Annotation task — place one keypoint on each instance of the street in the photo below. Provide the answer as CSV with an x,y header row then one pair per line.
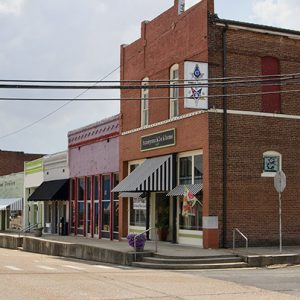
x,y
33,276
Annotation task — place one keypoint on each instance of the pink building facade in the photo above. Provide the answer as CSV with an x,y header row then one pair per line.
x,y
94,171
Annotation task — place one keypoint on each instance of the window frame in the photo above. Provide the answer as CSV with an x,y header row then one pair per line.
x,y
145,103
271,153
188,154
174,101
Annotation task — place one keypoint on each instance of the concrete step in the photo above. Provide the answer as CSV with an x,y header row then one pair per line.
x,y
188,260
149,265
194,256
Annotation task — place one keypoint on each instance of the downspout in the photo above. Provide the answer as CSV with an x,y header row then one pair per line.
x,y
225,136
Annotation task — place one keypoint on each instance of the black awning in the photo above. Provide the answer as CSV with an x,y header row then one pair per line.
x,y
51,190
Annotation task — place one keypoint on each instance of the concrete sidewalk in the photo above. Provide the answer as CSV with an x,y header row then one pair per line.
x,y
120,252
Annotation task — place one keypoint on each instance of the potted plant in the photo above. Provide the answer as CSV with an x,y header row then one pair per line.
x,y
162,226
137,241
38,230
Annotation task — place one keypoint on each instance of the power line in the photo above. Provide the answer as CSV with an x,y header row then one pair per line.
x,y
152,86
150,98
54,111
276,76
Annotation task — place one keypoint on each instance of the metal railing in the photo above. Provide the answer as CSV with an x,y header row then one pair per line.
x,y
28,228
234,230
135,238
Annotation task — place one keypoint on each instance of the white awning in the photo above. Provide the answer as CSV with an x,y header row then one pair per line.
x,y
179,189
153,175
14,203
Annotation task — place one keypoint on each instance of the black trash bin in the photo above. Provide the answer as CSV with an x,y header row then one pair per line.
x,y
66,228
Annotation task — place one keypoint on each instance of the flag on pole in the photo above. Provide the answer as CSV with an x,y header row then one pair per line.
x,y
189,201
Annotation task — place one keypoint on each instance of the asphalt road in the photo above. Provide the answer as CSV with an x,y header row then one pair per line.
x,y
31,276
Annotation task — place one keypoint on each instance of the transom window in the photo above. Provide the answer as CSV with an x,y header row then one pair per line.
x,y
174,91
145,103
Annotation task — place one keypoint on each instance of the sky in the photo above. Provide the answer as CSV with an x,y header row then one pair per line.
x,y
80,40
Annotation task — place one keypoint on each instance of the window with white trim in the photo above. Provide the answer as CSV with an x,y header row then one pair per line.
x,y
190,171
272,163
174,91
190,168
145,103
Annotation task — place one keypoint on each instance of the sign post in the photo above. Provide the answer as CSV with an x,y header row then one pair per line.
x,y
280,184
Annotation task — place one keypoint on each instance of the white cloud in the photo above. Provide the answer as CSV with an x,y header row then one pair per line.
x,y
280,13
11,7
190,3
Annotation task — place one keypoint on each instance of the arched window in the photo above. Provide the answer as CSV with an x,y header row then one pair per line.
x,y
174,91
145,103
272,163
271,103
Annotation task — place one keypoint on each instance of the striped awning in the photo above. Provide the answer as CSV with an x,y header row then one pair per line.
x,y
12,203
153,175
179,189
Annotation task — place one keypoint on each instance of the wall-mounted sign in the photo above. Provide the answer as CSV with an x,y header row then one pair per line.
x,y
196,74
158,140
271,164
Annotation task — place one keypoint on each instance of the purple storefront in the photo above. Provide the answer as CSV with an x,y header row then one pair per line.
x,y
94,172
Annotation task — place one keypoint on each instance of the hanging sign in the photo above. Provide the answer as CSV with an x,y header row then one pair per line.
x,y
196,74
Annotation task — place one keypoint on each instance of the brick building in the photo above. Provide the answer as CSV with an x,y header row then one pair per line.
x,y
225,139
13,162
94,171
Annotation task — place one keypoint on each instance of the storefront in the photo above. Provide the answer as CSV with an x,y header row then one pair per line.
x,y
94,172
11,199
33,178
155,188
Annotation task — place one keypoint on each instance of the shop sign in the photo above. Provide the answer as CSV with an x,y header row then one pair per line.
x,y
139,203
158,140
196,74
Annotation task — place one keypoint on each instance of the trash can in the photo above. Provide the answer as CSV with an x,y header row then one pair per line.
x,y
66,228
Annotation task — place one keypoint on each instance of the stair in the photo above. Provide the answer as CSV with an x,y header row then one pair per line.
x,y
192,262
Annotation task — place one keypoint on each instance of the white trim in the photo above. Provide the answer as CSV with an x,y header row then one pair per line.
x,y
213,110
258,114
237,27
145,103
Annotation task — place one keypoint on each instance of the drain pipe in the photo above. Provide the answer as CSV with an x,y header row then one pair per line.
x,y
225,136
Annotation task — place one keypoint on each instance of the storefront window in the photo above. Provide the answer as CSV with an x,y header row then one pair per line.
x,y
80,206
116,205
190,169
193,221
198,167
88,188
96,205
138,212
185,170
106,203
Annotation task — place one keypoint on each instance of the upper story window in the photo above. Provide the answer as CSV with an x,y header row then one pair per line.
x,y
190,168
271,103
174,91
145,103
272,163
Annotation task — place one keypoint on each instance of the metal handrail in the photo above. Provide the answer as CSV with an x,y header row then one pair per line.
x,y
28,228
135,238
242,235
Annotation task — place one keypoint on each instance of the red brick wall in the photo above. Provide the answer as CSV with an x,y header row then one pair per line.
x,y
245,50
167,40
252,204
13,162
